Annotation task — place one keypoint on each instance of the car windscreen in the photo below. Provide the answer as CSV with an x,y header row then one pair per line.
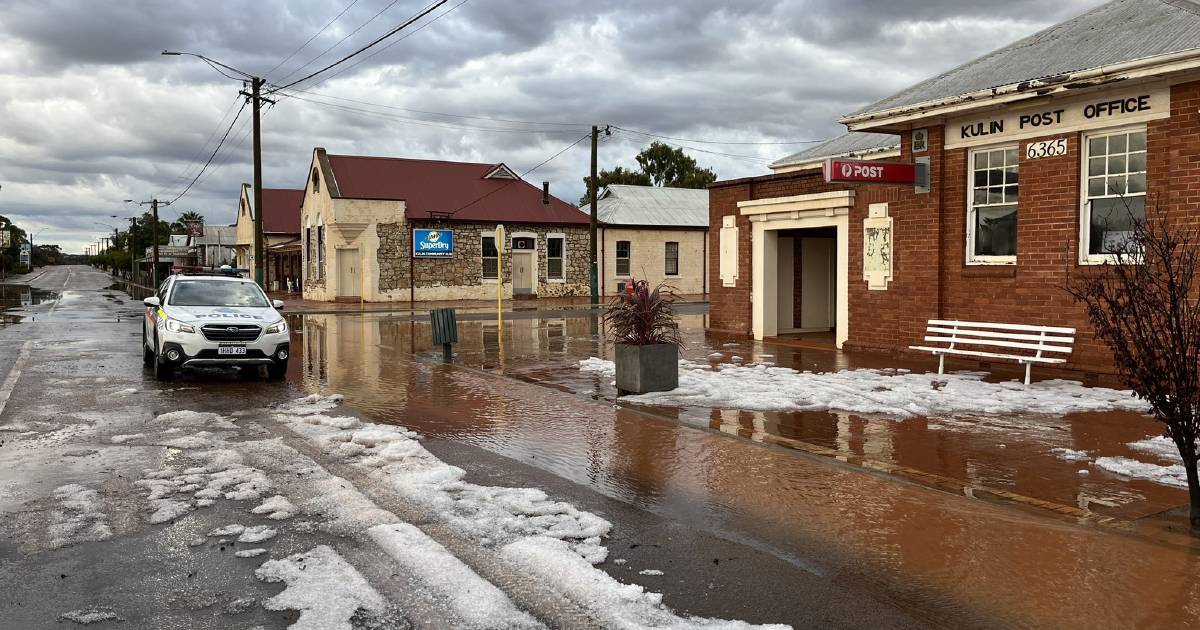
x,y
217,293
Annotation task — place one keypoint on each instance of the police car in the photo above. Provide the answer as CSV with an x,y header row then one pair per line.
x,y
202,320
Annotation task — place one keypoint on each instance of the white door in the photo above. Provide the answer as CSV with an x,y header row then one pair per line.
x,y
787,283
522,272
349,283
818,280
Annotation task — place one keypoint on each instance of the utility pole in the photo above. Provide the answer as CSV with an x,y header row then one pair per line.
x,y
133,250
154,204
595,273
256,100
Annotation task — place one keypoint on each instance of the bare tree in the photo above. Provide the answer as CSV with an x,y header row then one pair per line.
x,y
1143,305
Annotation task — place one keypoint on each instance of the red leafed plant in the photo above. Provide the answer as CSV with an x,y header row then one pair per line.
x,y
643,316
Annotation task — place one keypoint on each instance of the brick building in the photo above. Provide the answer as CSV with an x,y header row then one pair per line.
x,y
1040,155
372,228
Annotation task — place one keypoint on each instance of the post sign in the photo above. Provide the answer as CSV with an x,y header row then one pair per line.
x,y
26,253
844,171
433,243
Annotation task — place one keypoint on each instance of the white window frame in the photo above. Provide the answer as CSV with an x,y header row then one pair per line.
x,y
678,265
499,272
972,259
560,237
617,258
1085,219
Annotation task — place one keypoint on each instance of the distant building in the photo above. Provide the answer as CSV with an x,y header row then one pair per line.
x,y
217,247
1041,156
655,234
393,229
281,235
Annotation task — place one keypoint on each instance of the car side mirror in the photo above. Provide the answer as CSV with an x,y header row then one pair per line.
x,y
152,302
278,304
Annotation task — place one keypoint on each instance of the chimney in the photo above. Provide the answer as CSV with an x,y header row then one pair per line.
x,y
545,193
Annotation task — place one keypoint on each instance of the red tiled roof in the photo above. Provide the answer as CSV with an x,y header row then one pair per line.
x,y
281,210
443,187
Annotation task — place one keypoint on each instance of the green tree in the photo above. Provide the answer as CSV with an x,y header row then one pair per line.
x,y
659,165
669,166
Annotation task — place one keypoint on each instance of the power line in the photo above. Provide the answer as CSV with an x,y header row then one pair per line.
x,y
695,141
425,123
340,41
398,40
402,26
736,156
521,177
432,113
211,157
310,39
195,159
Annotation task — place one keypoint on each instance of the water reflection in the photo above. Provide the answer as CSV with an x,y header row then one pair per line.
x,y
951,560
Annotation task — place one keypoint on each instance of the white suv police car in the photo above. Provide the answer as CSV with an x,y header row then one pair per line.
x,y
200,320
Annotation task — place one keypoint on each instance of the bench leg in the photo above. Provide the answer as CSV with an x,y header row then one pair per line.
x,y
1028,366
941,363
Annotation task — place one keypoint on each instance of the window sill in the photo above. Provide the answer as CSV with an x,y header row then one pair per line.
x,y
989,271
556,280
490,280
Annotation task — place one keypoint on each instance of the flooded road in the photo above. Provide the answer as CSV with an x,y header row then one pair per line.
x,y
952,561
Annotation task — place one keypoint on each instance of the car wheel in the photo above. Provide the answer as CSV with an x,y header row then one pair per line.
x,y
277,370
162,371
147,353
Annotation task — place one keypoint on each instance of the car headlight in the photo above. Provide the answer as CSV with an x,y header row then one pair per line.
x,y
278,327
175,325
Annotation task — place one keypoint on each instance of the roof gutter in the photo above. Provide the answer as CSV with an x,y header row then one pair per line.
x,y
1138,69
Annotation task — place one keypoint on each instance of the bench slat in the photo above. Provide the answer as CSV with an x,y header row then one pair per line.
x,y
1000,335
994,355
998,343
986,325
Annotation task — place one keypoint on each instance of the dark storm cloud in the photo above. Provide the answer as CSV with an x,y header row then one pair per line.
x,y
94,115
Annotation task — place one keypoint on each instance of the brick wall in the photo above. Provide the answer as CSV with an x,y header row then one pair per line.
x,y
931,276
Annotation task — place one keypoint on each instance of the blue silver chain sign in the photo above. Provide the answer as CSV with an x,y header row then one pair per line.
x,y
433,243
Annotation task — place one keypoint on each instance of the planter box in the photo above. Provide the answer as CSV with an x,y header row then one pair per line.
x,y
642,369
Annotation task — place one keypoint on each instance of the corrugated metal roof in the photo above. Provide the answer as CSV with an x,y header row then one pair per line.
x,y
281,210
217,234
623,204
1116,32
853,143
432,187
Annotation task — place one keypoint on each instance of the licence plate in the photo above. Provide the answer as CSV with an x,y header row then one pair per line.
x,y
228,350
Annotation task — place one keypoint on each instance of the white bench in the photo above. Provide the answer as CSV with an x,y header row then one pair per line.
x,y
1038,339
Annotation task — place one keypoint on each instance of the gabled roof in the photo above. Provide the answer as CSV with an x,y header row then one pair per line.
x,y
622,204
462,191
853,144
281,210
1117,32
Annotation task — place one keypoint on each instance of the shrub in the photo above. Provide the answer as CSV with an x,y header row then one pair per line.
x,y
643,316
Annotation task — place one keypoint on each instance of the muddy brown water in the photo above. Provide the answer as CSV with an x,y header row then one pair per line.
x,y
957,560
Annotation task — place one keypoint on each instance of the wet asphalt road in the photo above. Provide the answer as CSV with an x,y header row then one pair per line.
x,y
76,382
740,530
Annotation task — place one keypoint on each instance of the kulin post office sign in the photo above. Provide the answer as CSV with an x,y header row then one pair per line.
x,y
433,243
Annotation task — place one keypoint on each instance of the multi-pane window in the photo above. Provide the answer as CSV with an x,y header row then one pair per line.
x,y
554,258
491,258
320,251
1114,190
672,259
992,214
623,258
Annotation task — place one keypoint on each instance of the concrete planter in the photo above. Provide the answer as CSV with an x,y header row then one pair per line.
x,y
641,369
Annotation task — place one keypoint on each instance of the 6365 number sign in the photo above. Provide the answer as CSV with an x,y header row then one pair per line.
x,y
1046,148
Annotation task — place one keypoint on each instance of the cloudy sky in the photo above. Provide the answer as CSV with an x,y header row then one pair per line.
x,y
93,114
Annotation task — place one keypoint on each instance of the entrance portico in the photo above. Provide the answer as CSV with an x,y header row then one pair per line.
x,y
768,218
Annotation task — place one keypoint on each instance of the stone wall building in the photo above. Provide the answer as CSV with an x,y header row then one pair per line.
x,y
363,218
1040,154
